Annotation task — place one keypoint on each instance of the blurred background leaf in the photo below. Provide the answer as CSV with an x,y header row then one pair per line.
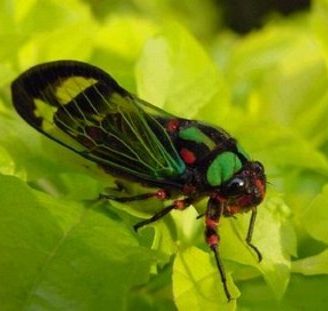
x,y
256,68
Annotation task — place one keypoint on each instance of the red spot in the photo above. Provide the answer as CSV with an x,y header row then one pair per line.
x,y
187,156
244,201
260,186
161,194
172,125
179,204
233,209
210,223
212,240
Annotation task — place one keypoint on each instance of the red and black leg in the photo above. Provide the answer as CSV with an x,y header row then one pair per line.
x,y
177,204
160,194
250,234
212,217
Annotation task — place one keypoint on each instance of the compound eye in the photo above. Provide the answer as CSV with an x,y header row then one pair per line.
x,y
235,186
258,167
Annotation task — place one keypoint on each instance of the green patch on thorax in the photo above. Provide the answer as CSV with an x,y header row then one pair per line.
x,y
196,135
224,166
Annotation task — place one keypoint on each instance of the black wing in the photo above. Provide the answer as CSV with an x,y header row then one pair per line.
x,y
84,109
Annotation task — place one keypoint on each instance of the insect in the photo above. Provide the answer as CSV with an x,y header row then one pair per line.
x,y
84,109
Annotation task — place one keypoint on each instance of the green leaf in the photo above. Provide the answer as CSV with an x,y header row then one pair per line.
x,y
196,282
184,77
59,255
303,293
7,165
118,44
282,147
127,34
164,239
22,9
274,237
189,228
270,92
316,217
319,18
34,155
7,73
77,186
313,265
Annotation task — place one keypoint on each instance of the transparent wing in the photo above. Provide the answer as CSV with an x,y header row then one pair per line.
x,y
84,109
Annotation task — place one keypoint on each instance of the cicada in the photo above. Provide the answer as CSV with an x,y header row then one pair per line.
x,y
85,110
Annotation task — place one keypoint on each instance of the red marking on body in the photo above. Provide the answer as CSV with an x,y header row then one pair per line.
x,y
245,201
211,223
179,204
260,186
161,194
187,156
232,209
172,125
217,197
212,240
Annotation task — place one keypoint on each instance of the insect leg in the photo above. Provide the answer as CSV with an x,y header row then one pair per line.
x,y
160,194
212,217
177,204
250,234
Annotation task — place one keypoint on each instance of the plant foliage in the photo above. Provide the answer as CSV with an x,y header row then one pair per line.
x,y
62,251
